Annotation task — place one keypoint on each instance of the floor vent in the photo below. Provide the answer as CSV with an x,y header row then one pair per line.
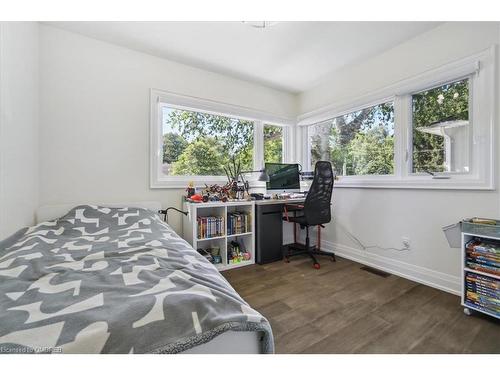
x,y
375,271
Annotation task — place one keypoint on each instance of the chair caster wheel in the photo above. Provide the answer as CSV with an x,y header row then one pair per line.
x,y
287,260
316,266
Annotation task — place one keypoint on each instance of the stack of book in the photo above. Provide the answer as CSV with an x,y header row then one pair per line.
x,y
483,293
483,256
238,223
210,226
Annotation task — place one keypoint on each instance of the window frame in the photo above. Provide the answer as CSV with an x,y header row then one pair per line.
x,y
161,98
481,69
408,101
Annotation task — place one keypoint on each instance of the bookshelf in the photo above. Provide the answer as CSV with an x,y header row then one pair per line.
x,y
480,286
202,235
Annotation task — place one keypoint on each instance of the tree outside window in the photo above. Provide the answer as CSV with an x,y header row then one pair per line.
x,y
357,143
201,144
273,144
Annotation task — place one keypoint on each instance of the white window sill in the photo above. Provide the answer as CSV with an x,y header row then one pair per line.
x,y
415,182
374,182
182,182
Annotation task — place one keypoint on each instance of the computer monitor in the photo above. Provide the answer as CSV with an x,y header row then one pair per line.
x,y
283,178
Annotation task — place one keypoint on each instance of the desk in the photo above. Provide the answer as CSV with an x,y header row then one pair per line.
x,y
264,202
269,228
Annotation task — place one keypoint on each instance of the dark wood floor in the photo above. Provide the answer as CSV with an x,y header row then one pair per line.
x,y
343,309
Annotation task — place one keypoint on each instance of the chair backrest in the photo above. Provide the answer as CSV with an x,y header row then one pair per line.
x,y
317,207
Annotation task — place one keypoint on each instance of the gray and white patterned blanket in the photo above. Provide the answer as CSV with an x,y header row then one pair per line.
x,y
113,280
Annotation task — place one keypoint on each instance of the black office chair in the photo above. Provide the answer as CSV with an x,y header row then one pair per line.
x,y
316,211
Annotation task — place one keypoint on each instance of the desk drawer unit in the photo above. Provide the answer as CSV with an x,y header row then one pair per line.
x,y
269,233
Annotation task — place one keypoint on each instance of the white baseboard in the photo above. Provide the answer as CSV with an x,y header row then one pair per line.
x,y
422,275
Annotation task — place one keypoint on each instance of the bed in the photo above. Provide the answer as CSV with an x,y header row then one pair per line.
x,y
117,279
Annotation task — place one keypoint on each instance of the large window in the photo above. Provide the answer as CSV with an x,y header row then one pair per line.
x,y
434,130
201,144
193,140
356,143
441,128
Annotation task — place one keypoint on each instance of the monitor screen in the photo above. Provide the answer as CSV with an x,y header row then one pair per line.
x,y
283,177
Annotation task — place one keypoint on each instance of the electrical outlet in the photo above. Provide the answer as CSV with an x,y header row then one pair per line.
x,y
406,242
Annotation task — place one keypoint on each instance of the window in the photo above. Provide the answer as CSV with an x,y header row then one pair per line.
x,y
201,144
357,143
273,144
193,140
441,128
434,130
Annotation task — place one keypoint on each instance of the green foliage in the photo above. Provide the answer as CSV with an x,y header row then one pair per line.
x,y
173,146
444,103
233,134
357,143
273,144
245,157
202,157
372,152
217,138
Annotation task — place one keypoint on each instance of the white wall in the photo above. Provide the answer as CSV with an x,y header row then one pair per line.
x,y
382,216
94,114
18,125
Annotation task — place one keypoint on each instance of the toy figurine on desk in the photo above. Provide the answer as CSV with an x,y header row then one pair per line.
x,y
190,190
211,193
191,195
235,189
215,193
196,198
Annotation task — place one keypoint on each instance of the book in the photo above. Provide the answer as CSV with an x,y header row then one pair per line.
x,y
239,223
210,226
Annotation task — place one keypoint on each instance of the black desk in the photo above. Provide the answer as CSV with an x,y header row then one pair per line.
x,y
269,229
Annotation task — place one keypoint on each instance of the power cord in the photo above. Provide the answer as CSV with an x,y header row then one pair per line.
x,y
366,247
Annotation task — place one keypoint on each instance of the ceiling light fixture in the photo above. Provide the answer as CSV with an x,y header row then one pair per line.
x,y
260,24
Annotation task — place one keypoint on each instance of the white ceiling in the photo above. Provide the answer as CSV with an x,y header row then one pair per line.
x,y
290,56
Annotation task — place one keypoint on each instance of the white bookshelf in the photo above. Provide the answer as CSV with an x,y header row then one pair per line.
x,y
190,229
